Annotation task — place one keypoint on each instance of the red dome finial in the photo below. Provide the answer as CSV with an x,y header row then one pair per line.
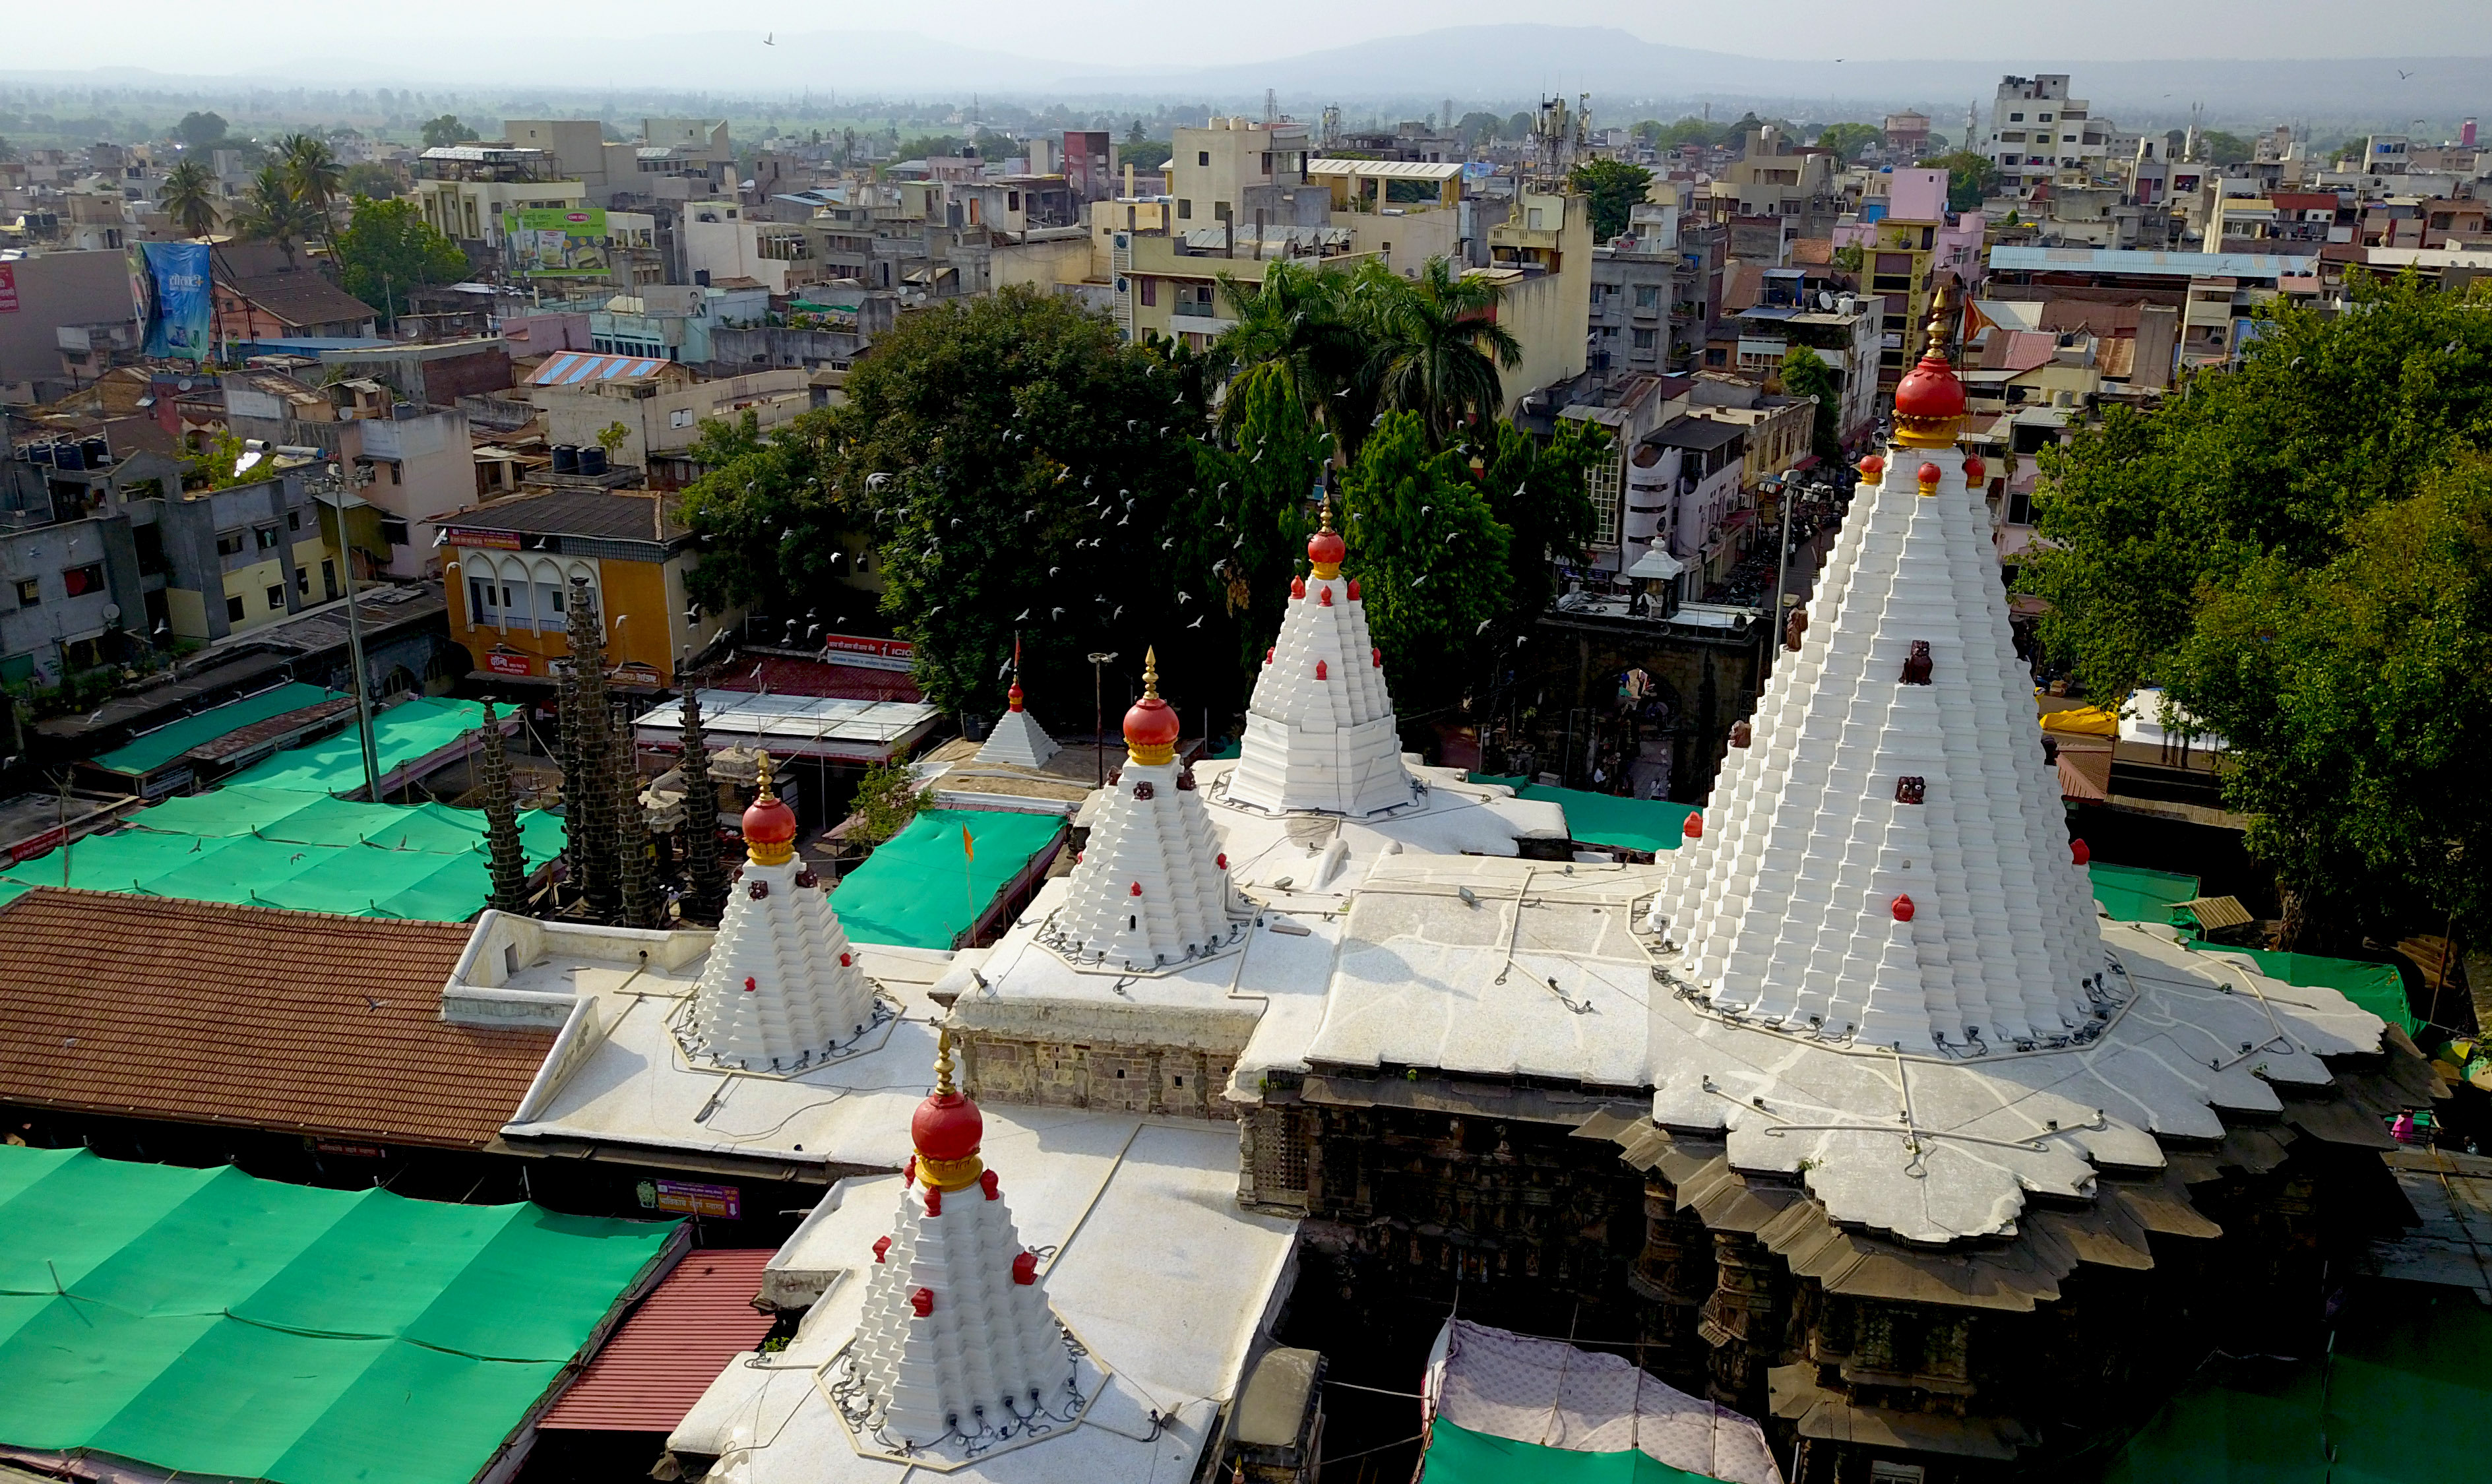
x,y
1011,696
769,825
1902,907
1326,548
1151,727
1929,402
947,1128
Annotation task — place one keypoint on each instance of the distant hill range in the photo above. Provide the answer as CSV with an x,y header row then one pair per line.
x,y
1499,66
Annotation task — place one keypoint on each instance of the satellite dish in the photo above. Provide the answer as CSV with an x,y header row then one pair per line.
x,y
112,612
182,385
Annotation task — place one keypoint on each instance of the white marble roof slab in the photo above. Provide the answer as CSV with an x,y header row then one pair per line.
x,y
1934,1148
1428,979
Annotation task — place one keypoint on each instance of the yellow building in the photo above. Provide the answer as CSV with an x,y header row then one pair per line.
x,y
513,565
467,192
1542,258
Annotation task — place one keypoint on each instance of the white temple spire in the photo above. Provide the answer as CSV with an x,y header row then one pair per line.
x,y
1893,758
956,1340
1018,740
1321,733
1151,888
781,989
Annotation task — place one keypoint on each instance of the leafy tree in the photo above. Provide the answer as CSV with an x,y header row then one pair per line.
x,y
1430,558
1687,131
1805,373
1518,127
1297,324
1478,127
2221,148
388,249
2177,538
312,177
1145,155
773,529
271,212
1257,480
1848,140
367,178
1970,178
885,802
201,131
444,131
928,146
190,197
1541,493
8,151
1436,346
612,436
1612,187
1850,258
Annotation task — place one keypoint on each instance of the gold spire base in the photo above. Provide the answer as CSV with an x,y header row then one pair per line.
x,y
1913,433
950,1173
762,854
1327,571
1150,757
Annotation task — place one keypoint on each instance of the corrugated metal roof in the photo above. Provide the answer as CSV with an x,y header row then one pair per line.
x,y
666,1355
571,366
1386,169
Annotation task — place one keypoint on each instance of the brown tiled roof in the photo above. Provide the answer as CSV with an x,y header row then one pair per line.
x,y
698,1317
194,1012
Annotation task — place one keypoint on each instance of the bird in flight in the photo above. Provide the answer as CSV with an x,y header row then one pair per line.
x,y
770,39
2403,74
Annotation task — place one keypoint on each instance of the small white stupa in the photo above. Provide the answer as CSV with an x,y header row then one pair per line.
x,y
1018,740
1151,890
1886,862
781,989
956,1341
1320,731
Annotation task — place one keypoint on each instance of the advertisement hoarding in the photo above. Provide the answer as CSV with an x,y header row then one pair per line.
x,y
558,242
179,301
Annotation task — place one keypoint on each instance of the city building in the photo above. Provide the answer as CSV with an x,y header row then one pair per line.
x,y
1541,260
469,193
514,566
658,405
2041,137
1909,245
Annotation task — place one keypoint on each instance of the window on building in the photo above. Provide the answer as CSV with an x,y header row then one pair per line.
x,y
328,577
233,609
2043,117
30,592
276,597
1202,157
229,544
2016,118
1643,339
1605,478
294,520
1184,209
265,536
483,603
303,584
1647,296
79,581
550,606
1150,291
394,532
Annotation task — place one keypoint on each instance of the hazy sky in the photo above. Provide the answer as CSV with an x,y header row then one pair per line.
x,y
219,36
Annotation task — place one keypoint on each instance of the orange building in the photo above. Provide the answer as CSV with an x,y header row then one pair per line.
x,y
510,567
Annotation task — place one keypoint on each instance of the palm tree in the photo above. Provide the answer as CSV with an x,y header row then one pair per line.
x,y
313,174
1434,346
1297,324
271,213
190,197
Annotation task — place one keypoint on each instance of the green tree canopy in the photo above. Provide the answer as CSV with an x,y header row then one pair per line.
x,y
369,178
1805,373
1430,558
2177,538
2221,148
1614,186
271,212
1542,494
1848,140
388,249
444,131
1970,178
201,131
1143,153
190,197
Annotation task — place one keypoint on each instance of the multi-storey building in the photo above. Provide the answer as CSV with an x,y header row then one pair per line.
x,y
2038,134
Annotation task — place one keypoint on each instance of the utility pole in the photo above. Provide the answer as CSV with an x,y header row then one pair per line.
x,y
336,486
1099,710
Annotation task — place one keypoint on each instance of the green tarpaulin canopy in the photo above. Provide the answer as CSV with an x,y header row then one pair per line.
x,y
916,889
1607,819
2379,988
2400,1401
2134,894
206,1321
146,754
266,847
402,734
1460,1455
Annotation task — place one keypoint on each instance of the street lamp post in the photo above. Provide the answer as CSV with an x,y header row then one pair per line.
x,y
1782,561
1099,660
336,486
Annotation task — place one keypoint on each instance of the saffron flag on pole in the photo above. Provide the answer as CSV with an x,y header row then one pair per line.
x,y
967,848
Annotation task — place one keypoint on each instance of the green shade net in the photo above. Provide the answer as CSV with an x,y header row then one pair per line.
x,y
2134,894
2400,1402
402,734
171,740
916,889
2379,988
1606,818
309,853
207,1321
1460,1455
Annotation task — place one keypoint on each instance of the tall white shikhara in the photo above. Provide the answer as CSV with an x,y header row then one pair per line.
x,y
955,1339
1321,733
1887,860
1151,889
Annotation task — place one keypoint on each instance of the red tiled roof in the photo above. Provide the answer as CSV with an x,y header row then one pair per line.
x,y
194,1012
666,1355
